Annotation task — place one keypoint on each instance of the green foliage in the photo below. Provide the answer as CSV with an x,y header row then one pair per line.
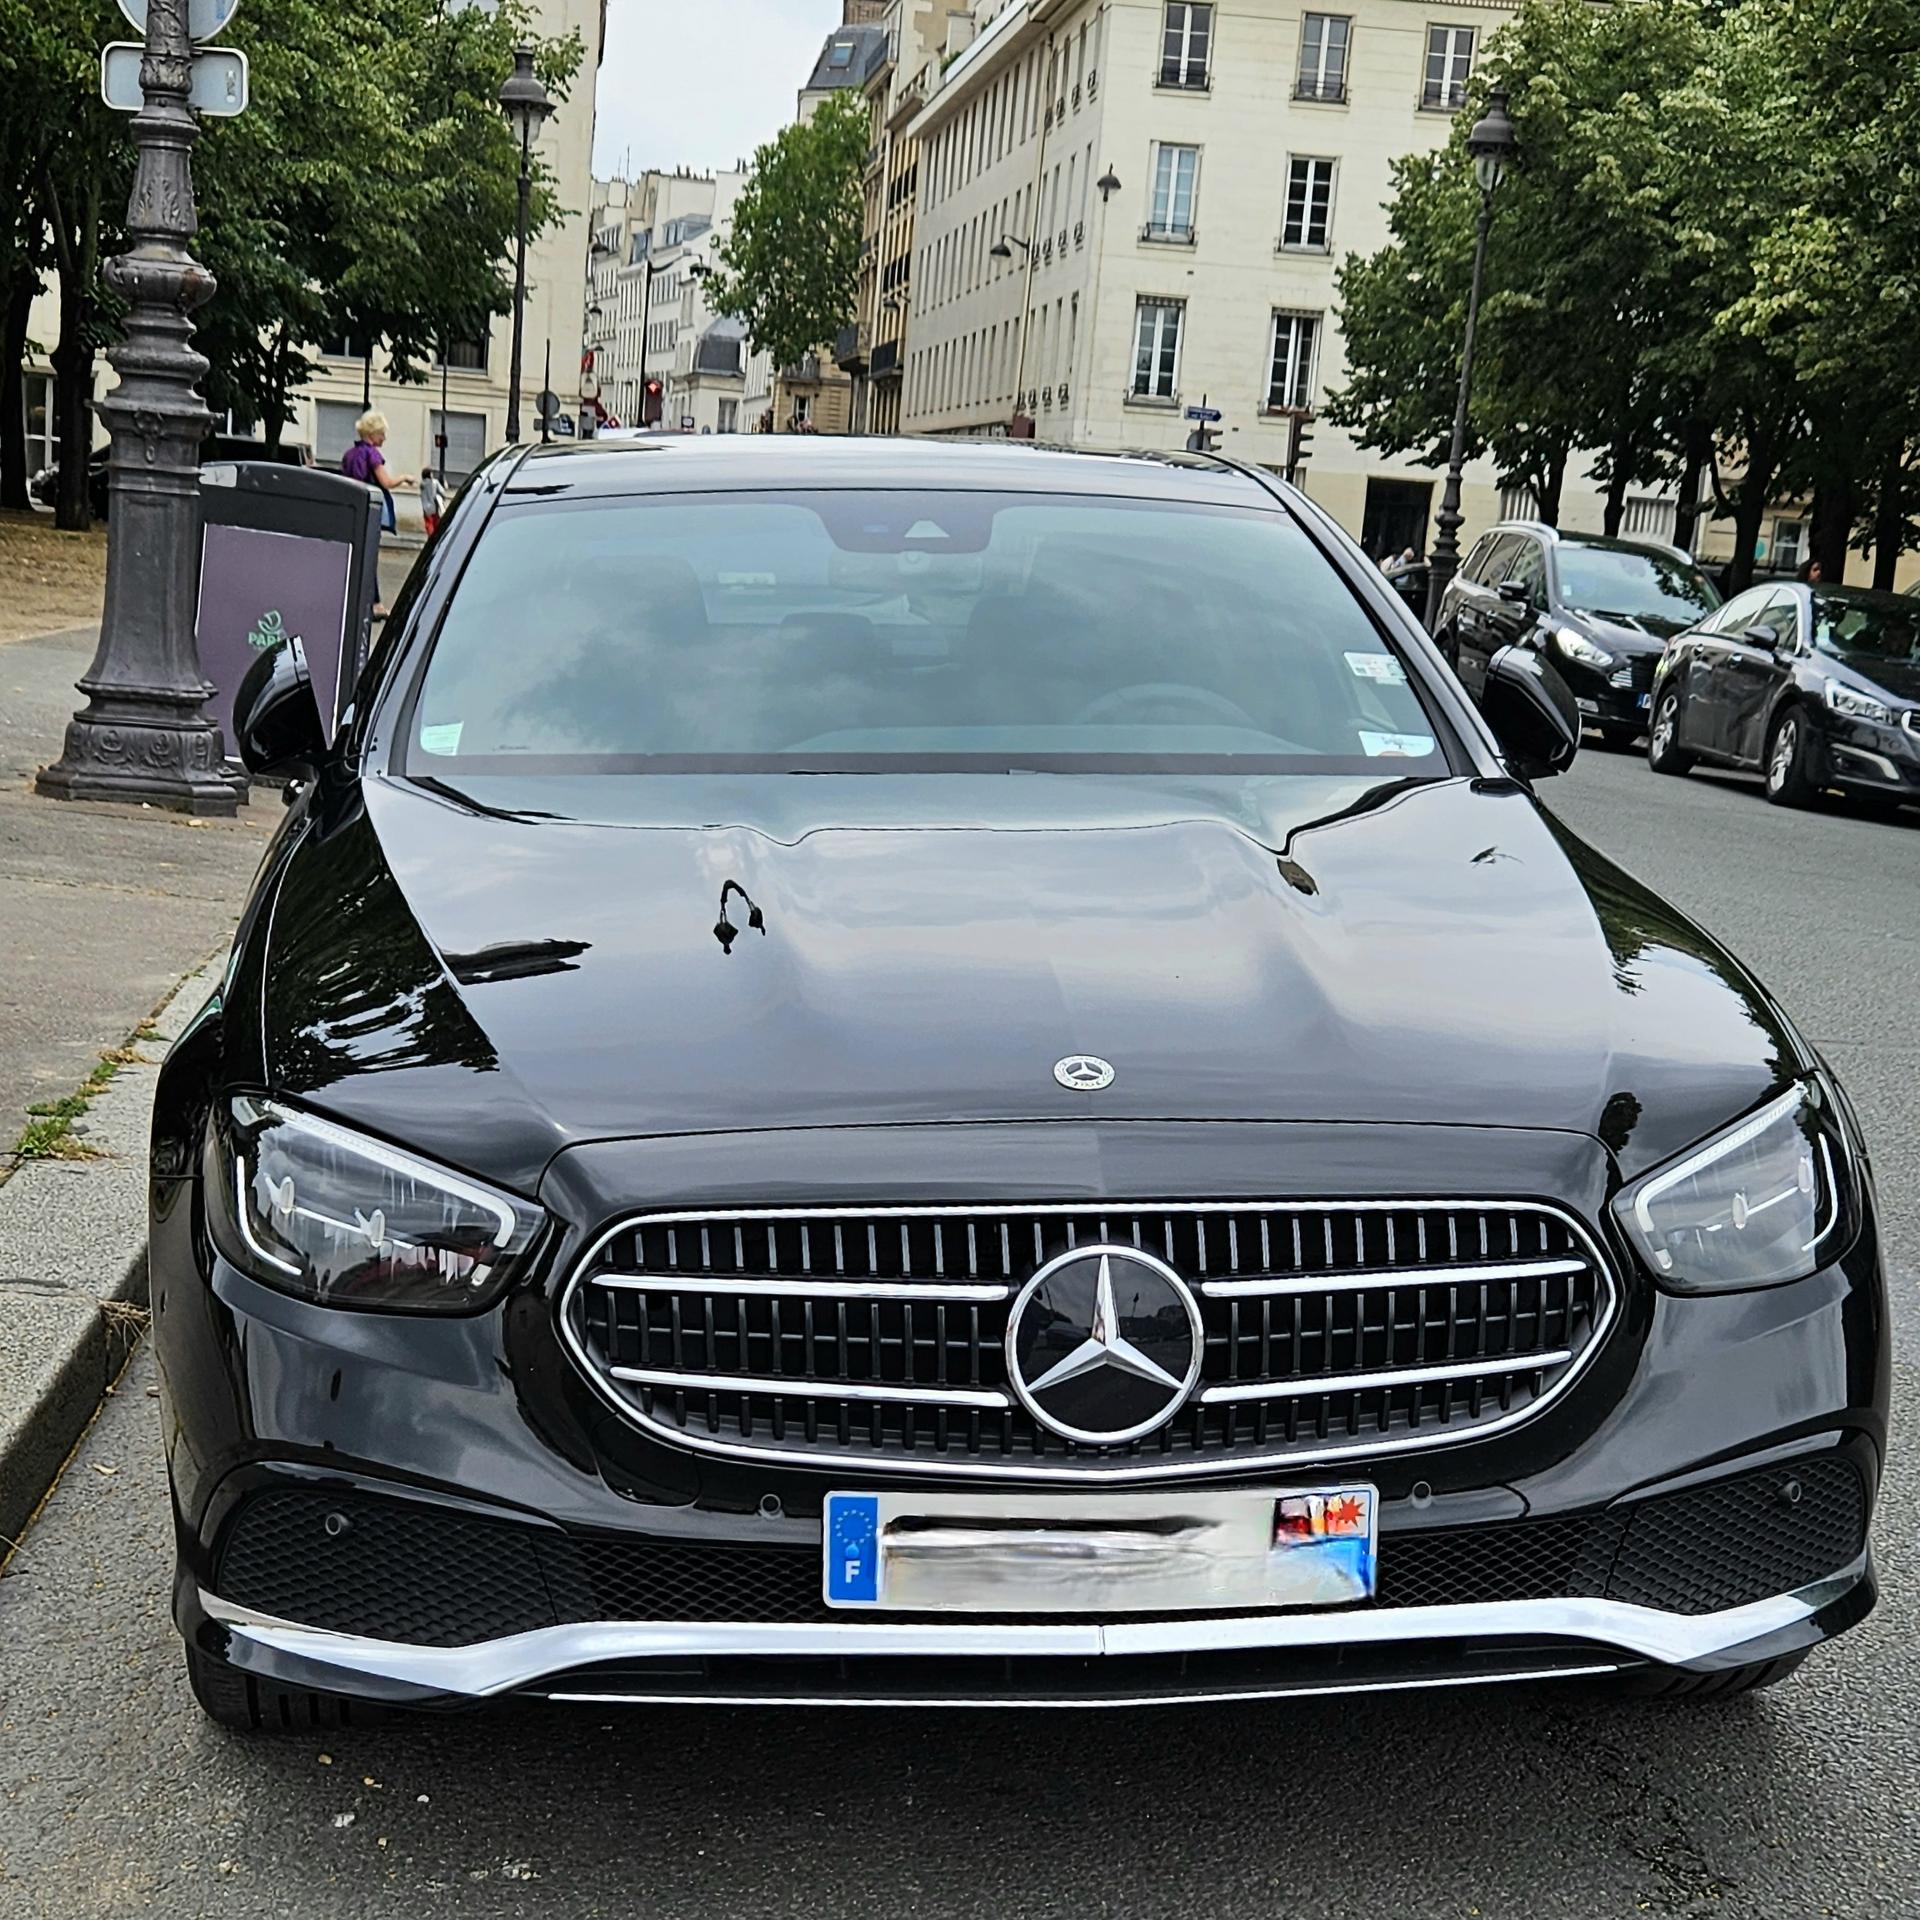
x,y
1708,255
371,186
789,266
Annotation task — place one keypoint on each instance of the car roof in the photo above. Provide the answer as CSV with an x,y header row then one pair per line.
x,y
1564,537
696,463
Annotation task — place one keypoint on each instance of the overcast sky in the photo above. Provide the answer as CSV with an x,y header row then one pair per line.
x,y
701,83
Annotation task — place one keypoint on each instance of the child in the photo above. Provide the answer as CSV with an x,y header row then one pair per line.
x,y
430,502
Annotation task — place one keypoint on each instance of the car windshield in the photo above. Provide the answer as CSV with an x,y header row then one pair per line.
x,y
1878,629
872,631
1632,585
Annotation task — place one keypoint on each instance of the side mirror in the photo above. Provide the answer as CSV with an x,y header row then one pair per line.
x,y
1765,638
1516,593
1532,713
276,719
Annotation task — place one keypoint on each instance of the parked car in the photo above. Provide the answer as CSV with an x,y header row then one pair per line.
x,y
905,1071
45,485
1600,610
1408,578
1815,686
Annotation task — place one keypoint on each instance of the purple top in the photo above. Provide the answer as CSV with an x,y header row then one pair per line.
x,y
362,461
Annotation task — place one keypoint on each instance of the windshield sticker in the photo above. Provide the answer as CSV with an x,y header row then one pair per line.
x,y
1378,666
1396,746
444,739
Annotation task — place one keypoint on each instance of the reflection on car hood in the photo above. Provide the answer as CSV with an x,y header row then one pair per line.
x,y
1895,679
636,956
1629,634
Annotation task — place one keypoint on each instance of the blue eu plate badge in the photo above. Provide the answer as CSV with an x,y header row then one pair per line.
x,y
853,1549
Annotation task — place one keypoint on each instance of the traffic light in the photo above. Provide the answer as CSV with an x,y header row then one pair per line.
x,y
1299,445
653,405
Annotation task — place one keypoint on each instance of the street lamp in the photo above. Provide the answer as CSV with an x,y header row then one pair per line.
x,y
1021,426
1494,147
526,104
142,734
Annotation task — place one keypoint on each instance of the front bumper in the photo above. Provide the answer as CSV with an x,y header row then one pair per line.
x,y
487,1422
990,1663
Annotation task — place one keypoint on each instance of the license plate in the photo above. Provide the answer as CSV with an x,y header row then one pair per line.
x,y
1646,700
1099,1552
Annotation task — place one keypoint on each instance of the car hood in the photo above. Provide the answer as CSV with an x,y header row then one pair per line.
x,y
1898,679
492,982
1620,634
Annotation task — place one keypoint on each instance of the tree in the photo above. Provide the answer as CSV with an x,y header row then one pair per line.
x,y
789,266
371,188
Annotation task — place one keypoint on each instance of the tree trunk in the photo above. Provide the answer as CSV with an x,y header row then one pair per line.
x,y
1547,492
1686,508
1889,521
1830,530
13,392
72,362
1616,489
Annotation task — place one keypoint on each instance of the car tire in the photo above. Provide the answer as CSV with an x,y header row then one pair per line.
x,y
244,1703
1672,1683
1789,778
1664,753
1618,738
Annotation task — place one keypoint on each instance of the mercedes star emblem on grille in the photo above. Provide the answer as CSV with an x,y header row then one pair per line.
x,y
1104,1345
1083,1073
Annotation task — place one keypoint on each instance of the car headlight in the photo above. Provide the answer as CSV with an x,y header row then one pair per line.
x,y
1754,1206
1858,706
1578,647
318,1210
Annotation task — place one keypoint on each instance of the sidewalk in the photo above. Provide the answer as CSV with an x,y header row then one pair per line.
x,y
104,911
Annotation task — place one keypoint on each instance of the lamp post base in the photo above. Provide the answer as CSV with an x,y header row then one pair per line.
x,y
139,759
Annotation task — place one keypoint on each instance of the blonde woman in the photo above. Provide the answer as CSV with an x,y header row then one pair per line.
x,y
366,462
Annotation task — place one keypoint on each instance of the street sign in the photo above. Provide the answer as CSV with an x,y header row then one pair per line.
x,y
1205,413
205,18
686,423
218,89
548,405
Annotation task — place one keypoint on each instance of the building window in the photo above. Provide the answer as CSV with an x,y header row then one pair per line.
x,y
466,443
1789,544
1648,515
1176,171
729,416
465,356
1518,503
333,433
343,346
1449,62
1309,215
1156,354
1290,383
1186,46
1323,57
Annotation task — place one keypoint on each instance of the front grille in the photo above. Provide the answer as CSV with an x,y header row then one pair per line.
x,y
401,1570
879,1338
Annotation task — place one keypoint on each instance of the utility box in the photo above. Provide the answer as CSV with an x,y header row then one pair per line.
x,y
286,551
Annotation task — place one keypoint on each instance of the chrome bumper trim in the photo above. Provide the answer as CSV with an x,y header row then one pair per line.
x,y
525,1659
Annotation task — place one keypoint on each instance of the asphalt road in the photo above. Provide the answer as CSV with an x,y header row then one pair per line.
x,y
1503,1805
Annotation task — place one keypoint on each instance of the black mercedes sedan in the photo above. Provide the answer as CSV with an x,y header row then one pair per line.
x,y
1817,687
1601,611
895,1072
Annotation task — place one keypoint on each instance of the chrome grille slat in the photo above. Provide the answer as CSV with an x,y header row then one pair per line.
x,y
1475,1315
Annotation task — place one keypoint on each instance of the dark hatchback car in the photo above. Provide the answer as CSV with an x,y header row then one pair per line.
x,y
1817,687
1600,610
878,1071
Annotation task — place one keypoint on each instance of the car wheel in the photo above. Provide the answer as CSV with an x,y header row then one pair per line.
x,y
1670,1683
1664,754
1790,782
1621,739
244,1703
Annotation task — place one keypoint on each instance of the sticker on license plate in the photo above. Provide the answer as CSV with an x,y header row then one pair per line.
x,y
1100,1552
1646,700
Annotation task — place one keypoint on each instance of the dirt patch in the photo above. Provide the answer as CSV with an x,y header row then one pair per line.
x,y
48,580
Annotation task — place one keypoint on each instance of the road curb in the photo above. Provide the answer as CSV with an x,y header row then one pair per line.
x,y
73,1270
